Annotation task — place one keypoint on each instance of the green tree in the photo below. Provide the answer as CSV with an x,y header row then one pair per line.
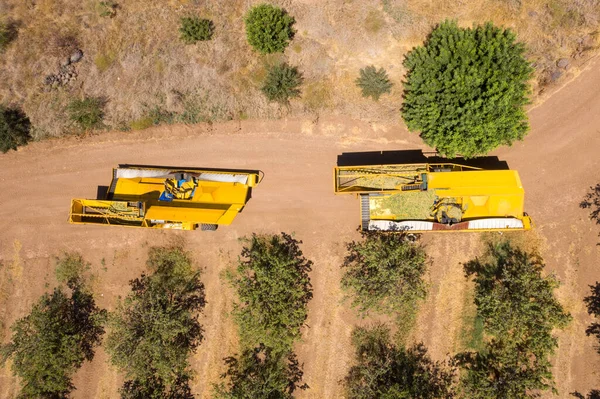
x,y
53,340
14,129
384,273
87,113
385,371
593,307
260,373
273,288
268,28
373,82
466,89
156,328
155,388
71,269
519,312
281,83
194,29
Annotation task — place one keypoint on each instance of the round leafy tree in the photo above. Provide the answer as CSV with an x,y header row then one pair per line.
x,y
373,82
384,273
196,29
465,89
274,288
268,28
14,129
282,83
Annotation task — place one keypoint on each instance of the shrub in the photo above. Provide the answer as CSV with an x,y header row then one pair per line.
x,y
259,373
273,288
519,312
466,88
87,113
373,82
383,370
268,28
156,327
52,342
281,83
71,269
593,307
384,273
107,9
14,129
195,29
8,33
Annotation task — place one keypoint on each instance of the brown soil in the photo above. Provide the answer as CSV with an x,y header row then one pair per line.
x,y
558,161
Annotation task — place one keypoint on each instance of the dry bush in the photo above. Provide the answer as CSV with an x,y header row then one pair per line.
x,y
136,61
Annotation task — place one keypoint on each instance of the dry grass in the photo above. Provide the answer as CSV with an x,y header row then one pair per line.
x,y
137,61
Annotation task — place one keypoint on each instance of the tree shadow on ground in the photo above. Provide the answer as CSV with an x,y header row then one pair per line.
x,y
591,201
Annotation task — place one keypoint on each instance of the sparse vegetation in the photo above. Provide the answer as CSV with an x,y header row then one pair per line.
x,y
273,288
384,273
14,129
373,82
268,28
383,370
466,89
61,331
87,113
194,29
8,33
519,313
156,328
108,9
281,83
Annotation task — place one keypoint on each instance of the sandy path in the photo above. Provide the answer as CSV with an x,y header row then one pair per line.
x,y
558,162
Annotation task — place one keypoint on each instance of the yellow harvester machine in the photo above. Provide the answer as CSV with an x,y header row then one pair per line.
x,y
168,198
435,197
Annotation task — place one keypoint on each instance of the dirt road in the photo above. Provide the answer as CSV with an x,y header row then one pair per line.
x,y
558,161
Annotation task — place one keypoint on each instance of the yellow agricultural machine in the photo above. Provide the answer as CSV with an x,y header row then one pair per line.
x,y
168,198
435,197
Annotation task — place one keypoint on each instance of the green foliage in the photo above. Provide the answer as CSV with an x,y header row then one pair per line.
x,y
194,29
373,82
87,113
282,83
519,311
8,33
466,88
70,269
14,129
156,328
385,371
108,9
155,388
259,373
384,273
53,340
268,28
591,201
273,288
593,307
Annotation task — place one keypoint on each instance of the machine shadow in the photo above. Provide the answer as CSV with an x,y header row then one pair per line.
x,y
400,157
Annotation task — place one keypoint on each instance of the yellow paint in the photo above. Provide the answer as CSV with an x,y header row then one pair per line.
x,y
134,201
473,192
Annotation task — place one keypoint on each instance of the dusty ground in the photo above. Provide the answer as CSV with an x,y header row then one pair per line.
x,y
137,63
558,161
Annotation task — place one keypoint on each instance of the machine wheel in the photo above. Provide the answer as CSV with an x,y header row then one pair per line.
x,y
208,227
